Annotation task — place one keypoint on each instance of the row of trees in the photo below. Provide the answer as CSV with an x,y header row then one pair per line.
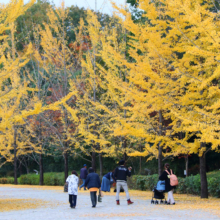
x,y
113,86
39,118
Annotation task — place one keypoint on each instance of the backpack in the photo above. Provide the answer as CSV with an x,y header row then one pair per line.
x,y
173,178
160,185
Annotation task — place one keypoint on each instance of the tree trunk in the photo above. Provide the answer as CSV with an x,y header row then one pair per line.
x,y
203,177
15,157
140,161
66,165
41,170
20,168
140,165
26,166
160,160
187,165
93,161
124,145
125,157
101,165
160,148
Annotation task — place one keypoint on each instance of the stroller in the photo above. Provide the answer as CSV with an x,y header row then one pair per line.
x,y
158,193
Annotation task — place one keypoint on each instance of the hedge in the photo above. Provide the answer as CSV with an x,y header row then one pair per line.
x,y
50,179
188,185
8,180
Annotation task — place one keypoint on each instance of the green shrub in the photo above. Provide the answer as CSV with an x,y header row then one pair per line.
x,y
3,180
50,179
29,179
8,180
143,182
214,186
54,179
188,185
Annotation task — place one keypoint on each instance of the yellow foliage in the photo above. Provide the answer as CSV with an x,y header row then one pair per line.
x,y
183,87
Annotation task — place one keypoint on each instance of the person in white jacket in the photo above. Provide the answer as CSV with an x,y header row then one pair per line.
x,y
73,182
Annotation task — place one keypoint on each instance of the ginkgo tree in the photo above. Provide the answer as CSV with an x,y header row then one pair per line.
x,y
14,87
131,114
176,63
103,108
92,120
109,79
59,61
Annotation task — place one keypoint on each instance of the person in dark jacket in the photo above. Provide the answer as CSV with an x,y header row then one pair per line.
x,y
107,180
83,175
93,184
168,188
120,175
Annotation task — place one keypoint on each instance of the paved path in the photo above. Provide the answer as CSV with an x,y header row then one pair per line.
x,y
57,208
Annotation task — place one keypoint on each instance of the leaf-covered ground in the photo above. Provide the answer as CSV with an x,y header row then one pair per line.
x,y
49,202
8,205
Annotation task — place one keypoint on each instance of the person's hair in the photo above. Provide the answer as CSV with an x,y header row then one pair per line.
x,y
121,162
91,170
74,172
166,165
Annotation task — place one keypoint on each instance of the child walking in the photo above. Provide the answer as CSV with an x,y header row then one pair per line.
x,y
73,182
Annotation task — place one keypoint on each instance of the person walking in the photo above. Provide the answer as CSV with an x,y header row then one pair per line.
x,y
121,173
73,182
83,175
93,184
168,188
107,180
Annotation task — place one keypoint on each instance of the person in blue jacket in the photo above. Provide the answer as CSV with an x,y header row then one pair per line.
x,y
83,175
107,180
93,184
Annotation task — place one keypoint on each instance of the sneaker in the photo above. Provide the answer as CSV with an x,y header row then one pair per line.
x,y
73,207
117,202
93,206
173,203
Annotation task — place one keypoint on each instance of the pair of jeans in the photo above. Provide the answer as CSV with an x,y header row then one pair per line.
x,y
72,200
93,197
124,185
84,180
